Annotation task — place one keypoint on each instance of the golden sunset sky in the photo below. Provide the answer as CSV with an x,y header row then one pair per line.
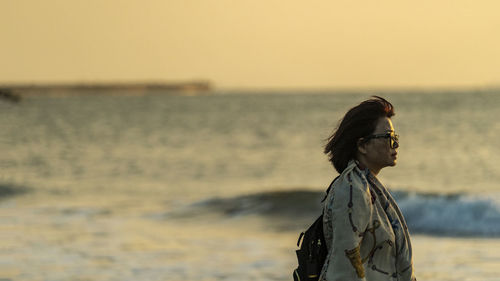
x,y
253,43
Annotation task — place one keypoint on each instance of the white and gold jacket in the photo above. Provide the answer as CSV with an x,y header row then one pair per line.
x,y
366,235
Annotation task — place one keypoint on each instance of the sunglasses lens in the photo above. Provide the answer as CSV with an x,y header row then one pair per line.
x,y
394,141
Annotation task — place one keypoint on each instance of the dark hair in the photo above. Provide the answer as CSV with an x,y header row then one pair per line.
x,y
358,122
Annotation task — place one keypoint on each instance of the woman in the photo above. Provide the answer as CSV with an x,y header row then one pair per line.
x,y
365,232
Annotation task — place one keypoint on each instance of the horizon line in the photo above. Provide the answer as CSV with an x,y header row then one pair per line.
x,y
208,85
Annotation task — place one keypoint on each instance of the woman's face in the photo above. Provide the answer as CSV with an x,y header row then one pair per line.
x,y
378,152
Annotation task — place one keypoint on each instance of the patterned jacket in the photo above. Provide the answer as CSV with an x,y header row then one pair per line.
x,y
366,235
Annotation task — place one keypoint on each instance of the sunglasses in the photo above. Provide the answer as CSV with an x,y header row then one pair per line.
x,y
394,138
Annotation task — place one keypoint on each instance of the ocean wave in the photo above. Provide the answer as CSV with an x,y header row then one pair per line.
x,y
451,215
432,214
290,203
8,190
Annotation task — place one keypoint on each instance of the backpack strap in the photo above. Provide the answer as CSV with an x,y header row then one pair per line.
x,y
300,238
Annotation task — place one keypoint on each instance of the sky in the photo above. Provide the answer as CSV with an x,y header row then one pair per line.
x,y
253,43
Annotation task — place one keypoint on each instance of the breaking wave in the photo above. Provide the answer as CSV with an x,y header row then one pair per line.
x,y
455,215
432,214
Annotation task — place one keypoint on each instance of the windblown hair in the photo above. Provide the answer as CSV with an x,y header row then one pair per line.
x,y
360,121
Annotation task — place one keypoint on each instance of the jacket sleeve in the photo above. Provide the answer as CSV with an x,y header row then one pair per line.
x,y
350,209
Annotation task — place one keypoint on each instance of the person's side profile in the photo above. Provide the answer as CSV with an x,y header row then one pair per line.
x,y
365,232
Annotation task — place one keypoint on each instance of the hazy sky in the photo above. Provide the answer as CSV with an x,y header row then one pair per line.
x,y
253,43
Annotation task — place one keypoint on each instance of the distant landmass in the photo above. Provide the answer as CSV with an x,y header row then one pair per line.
x,y
14,92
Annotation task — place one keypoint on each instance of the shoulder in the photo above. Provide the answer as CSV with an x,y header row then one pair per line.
x,y
351,182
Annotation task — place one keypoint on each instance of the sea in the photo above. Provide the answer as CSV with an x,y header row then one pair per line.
x,y
219,186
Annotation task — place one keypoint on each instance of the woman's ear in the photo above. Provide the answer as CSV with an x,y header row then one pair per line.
x,y
361,144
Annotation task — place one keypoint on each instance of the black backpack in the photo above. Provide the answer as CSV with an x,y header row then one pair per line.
x,y
312,252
